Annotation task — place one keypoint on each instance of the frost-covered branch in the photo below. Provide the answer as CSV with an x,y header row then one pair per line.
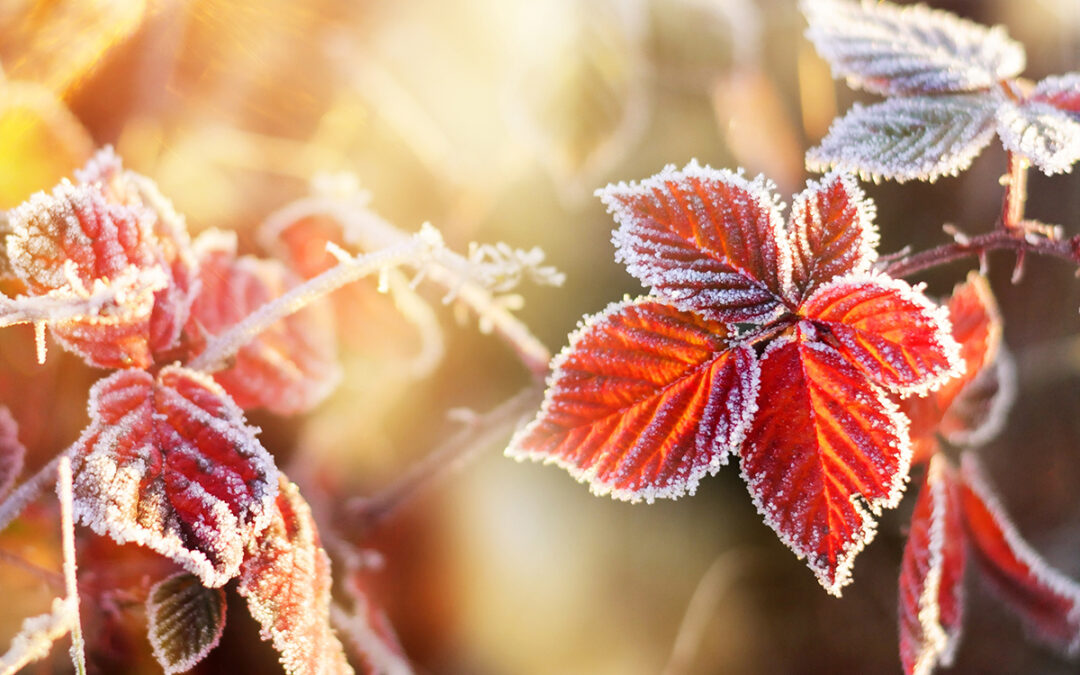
x,y
222,347
36,638
129,292
67,525
474,280
31,488
1025,242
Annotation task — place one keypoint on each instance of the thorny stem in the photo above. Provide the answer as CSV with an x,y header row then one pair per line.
x,y
367,513
1013,232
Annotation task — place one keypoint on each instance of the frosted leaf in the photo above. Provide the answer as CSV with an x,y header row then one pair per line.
x,y
832,232
1060,91
888,330
1046,600
706,240
887,49
367,627
169,463
12,451
971,408
80,239
932,575
1044,134
826,452
185,621
286,581
644,402
919,138
287,368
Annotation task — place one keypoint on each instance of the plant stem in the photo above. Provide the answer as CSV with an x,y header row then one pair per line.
x,y
11,507
978,245
1012,205
367,513
67,524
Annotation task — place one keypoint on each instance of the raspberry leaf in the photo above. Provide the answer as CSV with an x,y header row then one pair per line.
x,y
169,463
887,49
185,621
1046,600
887,329
286,581
644,402
706,240
932,575
826,452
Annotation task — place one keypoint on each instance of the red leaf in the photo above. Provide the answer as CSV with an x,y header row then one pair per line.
x,y
1047,601
832,232
168,463
286,581
932,575
970,408
12,451
827,450
288,368
644,402
888,330
107,230
706,240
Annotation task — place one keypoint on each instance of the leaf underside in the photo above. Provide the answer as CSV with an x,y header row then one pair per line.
x,y
185,621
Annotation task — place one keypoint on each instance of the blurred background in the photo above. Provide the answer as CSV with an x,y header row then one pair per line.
x,y
495,120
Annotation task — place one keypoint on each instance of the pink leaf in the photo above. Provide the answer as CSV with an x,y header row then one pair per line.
x,y
12,451
932,575
888,330
288,368
286,581
707,240
827,450
644,402
1046,600
832,232
92,234
169,463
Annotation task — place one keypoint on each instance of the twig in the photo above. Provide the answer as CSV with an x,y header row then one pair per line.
x,y
367,513
1015,199
448,269
979,245
11,507
224,346
48,576
67,525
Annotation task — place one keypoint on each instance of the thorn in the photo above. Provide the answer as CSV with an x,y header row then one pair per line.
x,y
958,236
1018,269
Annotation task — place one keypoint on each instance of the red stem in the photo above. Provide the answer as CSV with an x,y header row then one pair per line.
x,y
1000,239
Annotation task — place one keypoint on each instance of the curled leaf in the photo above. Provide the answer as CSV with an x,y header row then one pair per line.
x,y
1046,600
644,402
932,575
185,621
169,463
286,581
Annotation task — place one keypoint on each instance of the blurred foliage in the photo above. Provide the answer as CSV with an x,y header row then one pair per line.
x,y
495,120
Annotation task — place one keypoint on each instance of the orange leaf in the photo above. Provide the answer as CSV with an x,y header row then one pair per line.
x,y
706,240
932,575
286,581
826,451
644,402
